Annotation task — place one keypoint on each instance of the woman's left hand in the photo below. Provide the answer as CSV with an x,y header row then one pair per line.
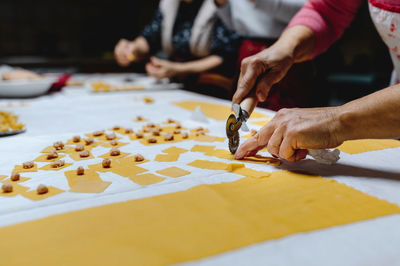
x,y
160,68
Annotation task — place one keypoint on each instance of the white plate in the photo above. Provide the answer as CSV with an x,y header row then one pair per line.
x,y
25,88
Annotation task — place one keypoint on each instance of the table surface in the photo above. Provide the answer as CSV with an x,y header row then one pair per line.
x,y
76,110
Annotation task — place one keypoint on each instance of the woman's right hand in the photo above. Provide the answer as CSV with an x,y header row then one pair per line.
x,y
261,72
124,52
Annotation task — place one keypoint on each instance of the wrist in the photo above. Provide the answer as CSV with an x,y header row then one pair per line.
x,y
346,124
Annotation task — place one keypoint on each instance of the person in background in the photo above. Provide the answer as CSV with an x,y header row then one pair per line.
x,y
260,23
194,39
292,131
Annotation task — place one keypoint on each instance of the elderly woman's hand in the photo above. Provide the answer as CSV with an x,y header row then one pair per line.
x,y
262,71
160,68
124,52
292,131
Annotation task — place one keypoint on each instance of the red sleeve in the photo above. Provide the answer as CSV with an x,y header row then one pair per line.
x,y
327,19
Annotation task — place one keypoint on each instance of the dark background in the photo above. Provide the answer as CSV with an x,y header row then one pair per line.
x,y
79,36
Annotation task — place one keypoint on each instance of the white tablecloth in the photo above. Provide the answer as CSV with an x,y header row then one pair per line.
x,y
76,111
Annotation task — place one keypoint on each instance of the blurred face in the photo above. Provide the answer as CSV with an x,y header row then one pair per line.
x,y
188,1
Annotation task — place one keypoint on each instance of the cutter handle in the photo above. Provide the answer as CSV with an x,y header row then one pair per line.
x,y
249,103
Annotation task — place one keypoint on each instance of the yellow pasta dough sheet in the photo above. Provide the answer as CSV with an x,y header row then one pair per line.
x,y
202,221
127,170
210,165
21,180
104,139
98,167
173,172
203,148
17,190
131,160
71,142
20,169
207,138
167,157
2,177
48,167
76,157
108,144
90,187
366,145
260,123
43,158
146,179
89,175
160,139
174,150
215,111
33,195
50,149
259,159
107,155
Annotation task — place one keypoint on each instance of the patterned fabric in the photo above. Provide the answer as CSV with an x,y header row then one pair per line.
x,y
224,42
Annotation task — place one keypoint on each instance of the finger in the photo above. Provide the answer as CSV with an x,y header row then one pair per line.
x,y
255,143
300,155
264,86
157,61
286,150
275,141
251,145
247,80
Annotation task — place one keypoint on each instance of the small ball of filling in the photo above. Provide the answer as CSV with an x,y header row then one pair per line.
x,y
185,135
199,133
76,139
152,140
128,131
28,165
115,152
42,189
139,135
168,137
52,155
15,176
138,158
116,128
111,136
57,164
106,163
84,154
79,147
114,142
177,131
151,125
58,145
178,126
98,133
80,171
89,141
7,188
139,118
156,132
170,121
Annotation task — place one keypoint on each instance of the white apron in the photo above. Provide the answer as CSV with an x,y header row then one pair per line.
x,y
387,24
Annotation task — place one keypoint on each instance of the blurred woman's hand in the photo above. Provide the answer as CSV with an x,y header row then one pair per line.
x,y
292,131
125,52
160,68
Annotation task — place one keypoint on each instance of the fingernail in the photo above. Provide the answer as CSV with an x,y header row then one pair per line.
x,y
260,96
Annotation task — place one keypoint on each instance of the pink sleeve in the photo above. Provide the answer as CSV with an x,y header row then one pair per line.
x,y
327,19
